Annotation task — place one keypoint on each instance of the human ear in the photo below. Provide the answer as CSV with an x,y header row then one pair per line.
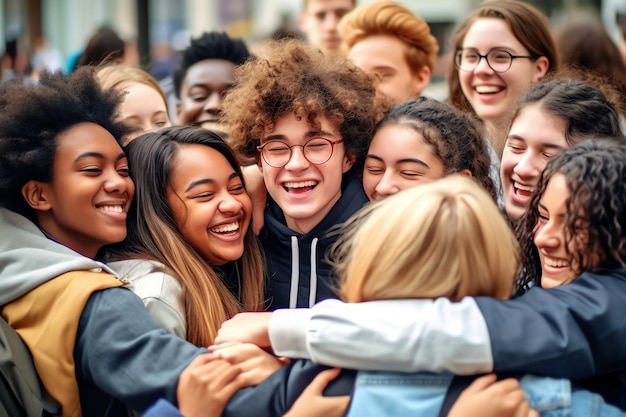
x,y
466,172
541,67
35,194
422,78
348,161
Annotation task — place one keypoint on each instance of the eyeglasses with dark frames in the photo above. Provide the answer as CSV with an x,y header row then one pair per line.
x,y
499,60
316,150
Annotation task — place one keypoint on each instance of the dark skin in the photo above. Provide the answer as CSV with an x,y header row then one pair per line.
x,y
203,90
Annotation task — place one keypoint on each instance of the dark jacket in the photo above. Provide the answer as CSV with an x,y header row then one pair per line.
x,y
582,327
295,281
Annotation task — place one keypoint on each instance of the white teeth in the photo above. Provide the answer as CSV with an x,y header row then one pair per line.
x,y
300,184
112,209
225,228
555,263
524,188
487,89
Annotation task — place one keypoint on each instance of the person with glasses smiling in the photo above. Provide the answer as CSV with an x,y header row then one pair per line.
x,y
497,58
313,117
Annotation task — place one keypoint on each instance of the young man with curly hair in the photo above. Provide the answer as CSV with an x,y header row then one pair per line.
x,y
307,119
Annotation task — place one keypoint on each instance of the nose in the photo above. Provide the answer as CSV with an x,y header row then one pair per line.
x,y
116,183
297,162
213,103
527,167
331,21
387,185
546,236
229,204
483,66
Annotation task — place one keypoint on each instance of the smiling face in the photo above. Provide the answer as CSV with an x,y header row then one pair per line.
x,y
399,158
551,238
202,91
384,57
492,95
210,206
144,109
305,192
84,206
535,136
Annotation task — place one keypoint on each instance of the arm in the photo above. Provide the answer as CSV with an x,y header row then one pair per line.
x,y
258,194
121,350
401,335
165,315
573,331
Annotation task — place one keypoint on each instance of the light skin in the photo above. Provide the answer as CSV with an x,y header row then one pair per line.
x,y
487,397
399,158
144,109
84,206
492,94
535,136
202,92
384,56
319,22
304,191
210,206
550,238
312,403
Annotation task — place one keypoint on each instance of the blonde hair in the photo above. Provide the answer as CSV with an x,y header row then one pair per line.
x,y
119,76
390,18
442,239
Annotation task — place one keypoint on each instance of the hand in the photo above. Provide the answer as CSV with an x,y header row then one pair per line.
x,y
258,194
312,403
255,363
487,397
206,385
246,327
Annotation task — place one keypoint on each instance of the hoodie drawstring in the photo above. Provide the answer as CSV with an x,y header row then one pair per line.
x,y
295,273
313,283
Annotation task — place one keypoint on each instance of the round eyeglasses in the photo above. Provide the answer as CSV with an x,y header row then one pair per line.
x,y
316,150
499,60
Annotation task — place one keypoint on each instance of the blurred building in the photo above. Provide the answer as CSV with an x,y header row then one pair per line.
x,y
160,25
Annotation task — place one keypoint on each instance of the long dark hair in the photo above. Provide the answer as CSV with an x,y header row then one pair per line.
x,y
153,234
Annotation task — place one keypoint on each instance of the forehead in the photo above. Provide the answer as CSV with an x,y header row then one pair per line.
x,y
194,161
490,32
317,6
538,127
84,138
210,71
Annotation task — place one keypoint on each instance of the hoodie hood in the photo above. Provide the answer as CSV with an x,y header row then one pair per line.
x,y
28,258
299,275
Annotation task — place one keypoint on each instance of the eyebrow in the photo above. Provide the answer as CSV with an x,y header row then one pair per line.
x,y
405,160
209,181
307,135
543,144
97,155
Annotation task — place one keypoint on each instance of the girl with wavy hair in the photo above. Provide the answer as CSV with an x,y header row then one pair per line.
x,y
189,251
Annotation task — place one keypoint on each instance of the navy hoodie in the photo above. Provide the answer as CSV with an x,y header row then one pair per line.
x,y
298,274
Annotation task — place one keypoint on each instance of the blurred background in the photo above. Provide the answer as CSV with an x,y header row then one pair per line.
x,y
37,34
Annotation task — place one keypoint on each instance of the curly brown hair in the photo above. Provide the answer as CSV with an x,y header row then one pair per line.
x,y
294,78
595,172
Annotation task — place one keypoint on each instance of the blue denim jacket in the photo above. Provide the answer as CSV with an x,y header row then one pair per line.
x,y
422,394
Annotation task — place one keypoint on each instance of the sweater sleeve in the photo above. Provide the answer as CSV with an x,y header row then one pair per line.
x,y
394,335
573,331
163,409
121,350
